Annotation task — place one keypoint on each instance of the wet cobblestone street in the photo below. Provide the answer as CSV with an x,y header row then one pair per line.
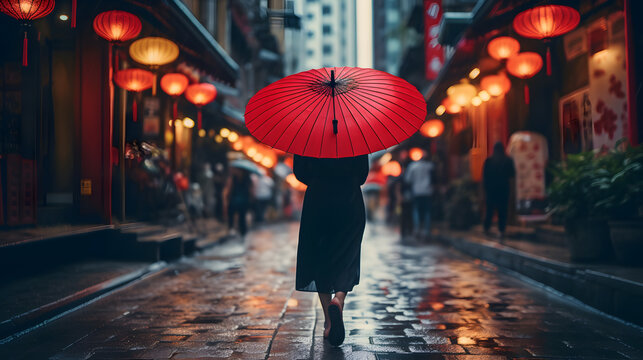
x,y
414,301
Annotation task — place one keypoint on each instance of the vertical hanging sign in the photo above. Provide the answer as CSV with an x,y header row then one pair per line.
x,y
433,53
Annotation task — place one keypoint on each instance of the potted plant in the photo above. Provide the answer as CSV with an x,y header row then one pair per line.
x,y
570,197
461,210
619,185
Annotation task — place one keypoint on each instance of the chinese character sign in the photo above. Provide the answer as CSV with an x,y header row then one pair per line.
x,y
529,153
433,53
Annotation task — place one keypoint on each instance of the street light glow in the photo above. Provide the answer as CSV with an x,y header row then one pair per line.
x,y
63,17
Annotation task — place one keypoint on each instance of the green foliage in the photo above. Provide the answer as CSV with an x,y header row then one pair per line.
x,y
598,185
461,208
618,183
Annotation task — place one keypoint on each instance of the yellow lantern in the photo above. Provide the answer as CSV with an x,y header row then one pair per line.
x,y
440,110
153,52
188,123
462,93
496,85
416,154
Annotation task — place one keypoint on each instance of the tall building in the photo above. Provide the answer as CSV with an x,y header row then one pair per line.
x,y
329,33
391,35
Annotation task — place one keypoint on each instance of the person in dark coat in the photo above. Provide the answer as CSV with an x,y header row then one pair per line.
x,y
498,169
330,236
239,194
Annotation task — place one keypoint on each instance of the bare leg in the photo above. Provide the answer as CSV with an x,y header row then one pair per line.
x,y
341,296
325,298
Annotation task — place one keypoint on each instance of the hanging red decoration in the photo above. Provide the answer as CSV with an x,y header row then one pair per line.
x,y
546,22
432,128
200,95
26,10
174,84
135,80
117,25
495,85
74,5
503,47
524,66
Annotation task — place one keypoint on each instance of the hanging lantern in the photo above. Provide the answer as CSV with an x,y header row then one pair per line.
x,y
451,106
24,11
153,52
432,128
524,66
416,154
117,25
201,94
392,168
174,84
546,22
462,93
503,47
495,85
135,80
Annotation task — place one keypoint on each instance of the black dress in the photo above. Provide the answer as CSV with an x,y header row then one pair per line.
x,y
332,223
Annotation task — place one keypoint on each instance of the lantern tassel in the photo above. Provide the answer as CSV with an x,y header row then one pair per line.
x,y
25,44
175,110
73,13
154,86
526,94
134,110
548,61
200,118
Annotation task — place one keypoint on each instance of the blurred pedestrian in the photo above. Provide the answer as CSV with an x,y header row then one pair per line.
x,y
206,180
263,185
406,203
330,236
239,195
498,169
419,175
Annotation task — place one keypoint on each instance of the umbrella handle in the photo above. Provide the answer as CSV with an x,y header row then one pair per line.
x,y
332,87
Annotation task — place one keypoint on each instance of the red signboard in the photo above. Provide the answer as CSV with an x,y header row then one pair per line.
x,y
433,53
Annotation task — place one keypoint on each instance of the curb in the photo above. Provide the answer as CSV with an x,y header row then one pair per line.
x,y
616,296
21,324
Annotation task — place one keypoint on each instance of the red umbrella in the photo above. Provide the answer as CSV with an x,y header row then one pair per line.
x,y
335,112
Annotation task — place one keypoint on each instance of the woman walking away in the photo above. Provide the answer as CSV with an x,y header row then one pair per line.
x,y
497,171
330,235
239,194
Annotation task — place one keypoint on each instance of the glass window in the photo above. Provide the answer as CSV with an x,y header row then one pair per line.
x,y
326,9
327,29
310,52
310,34
327,49
310,16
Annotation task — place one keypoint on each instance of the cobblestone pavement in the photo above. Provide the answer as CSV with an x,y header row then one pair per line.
x,y
415,301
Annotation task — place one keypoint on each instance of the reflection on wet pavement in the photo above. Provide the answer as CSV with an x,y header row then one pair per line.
x,y
415,301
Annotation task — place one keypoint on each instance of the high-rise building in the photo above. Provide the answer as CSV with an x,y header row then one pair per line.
x,y
328,33
391,35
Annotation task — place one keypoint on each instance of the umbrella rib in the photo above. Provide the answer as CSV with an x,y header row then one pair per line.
x,y
300,97
302,125
393,121
382,105
295,95
369,124
321,146
379,97
300,104
350,140
273,93
341,96
277,122
312,128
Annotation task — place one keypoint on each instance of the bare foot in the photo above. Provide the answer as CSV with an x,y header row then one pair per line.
x,y
326,328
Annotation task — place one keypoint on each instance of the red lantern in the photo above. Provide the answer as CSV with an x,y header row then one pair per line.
x,y
174,84
546,22
117,25
503,47
135,80
525,65
495,85
392,168
26,10
451,106
201,94
432,128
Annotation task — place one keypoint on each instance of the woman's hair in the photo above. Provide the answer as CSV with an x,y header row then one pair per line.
x,y
498,149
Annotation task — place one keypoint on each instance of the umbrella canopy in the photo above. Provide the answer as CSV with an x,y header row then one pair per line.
x,y
246,165
335,112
